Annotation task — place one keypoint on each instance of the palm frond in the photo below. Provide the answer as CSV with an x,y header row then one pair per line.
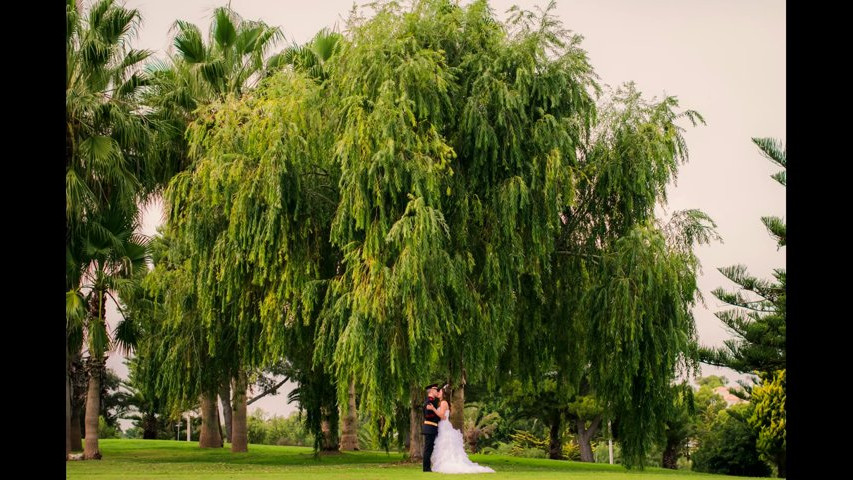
x,y
247,37
222,28
189,43
75,308
325,43
126,335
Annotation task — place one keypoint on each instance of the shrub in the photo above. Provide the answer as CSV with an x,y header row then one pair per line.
x,y
729,447
571,450
601,452
107,431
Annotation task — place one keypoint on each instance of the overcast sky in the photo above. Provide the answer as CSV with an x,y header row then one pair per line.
x,y
723,58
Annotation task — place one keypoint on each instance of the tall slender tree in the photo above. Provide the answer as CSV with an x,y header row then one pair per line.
x,y
758,321
112,258
228,64
758,317
108,168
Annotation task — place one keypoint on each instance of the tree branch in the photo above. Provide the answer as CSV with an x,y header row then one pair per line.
x,y
266,392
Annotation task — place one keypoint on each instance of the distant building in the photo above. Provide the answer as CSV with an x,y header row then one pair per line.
x,y
727,396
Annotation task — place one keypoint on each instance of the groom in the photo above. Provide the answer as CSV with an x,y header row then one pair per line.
x,y
430,427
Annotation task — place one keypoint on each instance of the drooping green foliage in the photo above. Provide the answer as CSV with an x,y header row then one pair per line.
x,y
198,346
179,346
150,413
445,197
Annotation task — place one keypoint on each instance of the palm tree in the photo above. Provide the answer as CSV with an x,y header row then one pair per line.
x,y
106,162
113,253
233,59
106,131
478,424
311,57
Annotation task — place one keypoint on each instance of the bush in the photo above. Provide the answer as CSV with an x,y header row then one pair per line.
x,y
572,451
601,452
288,431
257,427
501,448
729,447
524,443
529,452
515,450
106,431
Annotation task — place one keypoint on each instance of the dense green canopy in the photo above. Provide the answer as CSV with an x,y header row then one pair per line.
x,y
446,196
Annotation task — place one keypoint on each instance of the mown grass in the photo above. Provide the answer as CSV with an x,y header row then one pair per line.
x,y
162,459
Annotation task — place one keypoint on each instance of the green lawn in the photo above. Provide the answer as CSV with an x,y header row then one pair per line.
x,y
162,459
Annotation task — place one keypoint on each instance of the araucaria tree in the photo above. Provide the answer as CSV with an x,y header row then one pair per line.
x,y
446,195
757,319
758,322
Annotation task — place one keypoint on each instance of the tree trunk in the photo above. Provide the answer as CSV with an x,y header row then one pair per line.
x,y
670,456
209,437
349,427
555,446
93,410
416,419
149,427
781,464
219,425
585,436
76,430
330,440
457,407
225,400
240,429
79,389
326,429
67,402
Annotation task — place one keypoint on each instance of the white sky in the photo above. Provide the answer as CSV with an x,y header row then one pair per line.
x,y
724,58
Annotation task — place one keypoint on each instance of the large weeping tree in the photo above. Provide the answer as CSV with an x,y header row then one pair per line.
x,y
445,192
189,368
449,187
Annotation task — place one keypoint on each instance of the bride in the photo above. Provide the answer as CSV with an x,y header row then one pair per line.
x,y
449,454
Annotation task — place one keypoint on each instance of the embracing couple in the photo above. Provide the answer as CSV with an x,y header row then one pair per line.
x,y
444,448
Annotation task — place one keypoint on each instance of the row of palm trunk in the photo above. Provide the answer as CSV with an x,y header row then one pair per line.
x,y
211,435
237,431
237,427
235,418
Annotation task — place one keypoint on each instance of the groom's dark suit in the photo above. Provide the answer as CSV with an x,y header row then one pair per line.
x,y
429,431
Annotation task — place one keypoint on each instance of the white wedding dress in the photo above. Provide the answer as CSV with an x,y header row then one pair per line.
x,y
448,455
